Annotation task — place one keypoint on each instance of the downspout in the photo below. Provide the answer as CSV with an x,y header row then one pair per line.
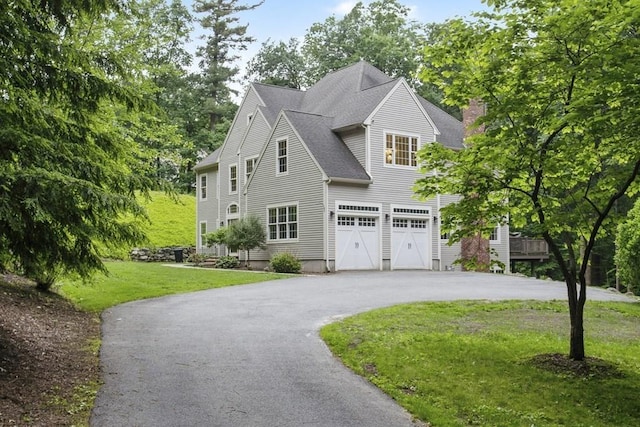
x,y
367,155
326,223
439,232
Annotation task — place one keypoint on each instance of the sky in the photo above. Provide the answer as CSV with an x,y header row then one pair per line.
x,y
283,19
280,20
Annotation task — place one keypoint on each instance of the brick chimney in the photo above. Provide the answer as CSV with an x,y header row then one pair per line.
x,y
475,249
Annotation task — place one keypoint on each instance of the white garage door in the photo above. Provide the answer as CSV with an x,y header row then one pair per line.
x,y
410,244
357,243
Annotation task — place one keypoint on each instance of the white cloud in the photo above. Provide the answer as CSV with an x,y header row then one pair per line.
x,y
343,7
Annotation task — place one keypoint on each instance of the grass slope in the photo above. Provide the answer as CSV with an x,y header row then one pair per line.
x,y
130,281
470,363
171,223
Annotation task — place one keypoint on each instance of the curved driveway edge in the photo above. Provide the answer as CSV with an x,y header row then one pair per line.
x,y
251,356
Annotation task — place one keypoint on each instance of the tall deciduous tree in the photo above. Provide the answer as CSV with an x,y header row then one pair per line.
x,y
561,145
225,38
279,64
65,169
381,33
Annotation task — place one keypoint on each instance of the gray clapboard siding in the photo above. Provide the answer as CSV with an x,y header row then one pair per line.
x,y
393,185
207,210
229,155
303,184
355,139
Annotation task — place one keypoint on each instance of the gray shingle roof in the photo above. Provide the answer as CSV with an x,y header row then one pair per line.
x,y
341,99
210,160
451,129
331,153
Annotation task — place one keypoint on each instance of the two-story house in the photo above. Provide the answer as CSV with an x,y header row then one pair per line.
x,y
330,172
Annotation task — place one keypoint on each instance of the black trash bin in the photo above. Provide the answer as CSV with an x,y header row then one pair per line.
x,y
179,255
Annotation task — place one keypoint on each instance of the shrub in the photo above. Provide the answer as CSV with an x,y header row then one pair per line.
x,y
227,262
197,259
285,262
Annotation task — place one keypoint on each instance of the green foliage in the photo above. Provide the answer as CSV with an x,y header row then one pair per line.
x,y
560,144
279,64
627,256
469,363
197,259
246,234
169,222
66,173
131,281
223,38
228,262
217,237
380,33
285,262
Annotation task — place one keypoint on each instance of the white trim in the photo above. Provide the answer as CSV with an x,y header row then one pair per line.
x,y
414,212
498,230
206,187
402,82
371,210
286,156
201,244
232,191
396,133
297,222
255,162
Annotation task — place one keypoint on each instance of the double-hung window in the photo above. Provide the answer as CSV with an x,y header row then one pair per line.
x,y
282,156
494,236
282,222
203,187
249,164
400,150
233,179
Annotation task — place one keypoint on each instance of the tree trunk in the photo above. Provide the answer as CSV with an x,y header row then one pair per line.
x,y
576,349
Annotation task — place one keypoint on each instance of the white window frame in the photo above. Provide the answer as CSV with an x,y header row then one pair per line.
x,y
391,152
253,167
285,157
203,191
277,224
231,179
201,234
497,233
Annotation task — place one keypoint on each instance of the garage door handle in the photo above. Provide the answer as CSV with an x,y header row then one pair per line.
x,y
357,245
409,244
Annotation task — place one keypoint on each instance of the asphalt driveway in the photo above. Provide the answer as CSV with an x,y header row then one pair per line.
x,y
251,356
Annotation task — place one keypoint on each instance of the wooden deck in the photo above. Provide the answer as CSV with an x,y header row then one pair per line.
x,y
526,249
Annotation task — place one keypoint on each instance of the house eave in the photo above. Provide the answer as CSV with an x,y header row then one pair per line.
x,y
339,180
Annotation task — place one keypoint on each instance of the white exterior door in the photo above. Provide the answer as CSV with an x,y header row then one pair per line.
x,y
357,243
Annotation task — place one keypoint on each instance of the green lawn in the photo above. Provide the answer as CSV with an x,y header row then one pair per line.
x,y
130,281
469,363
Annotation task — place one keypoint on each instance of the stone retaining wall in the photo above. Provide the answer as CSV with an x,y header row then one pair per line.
x,y
160,254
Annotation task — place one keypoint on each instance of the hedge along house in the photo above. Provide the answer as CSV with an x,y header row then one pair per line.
x,y
330,172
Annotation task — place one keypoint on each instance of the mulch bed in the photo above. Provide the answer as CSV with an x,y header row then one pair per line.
x,y
44,355
590,367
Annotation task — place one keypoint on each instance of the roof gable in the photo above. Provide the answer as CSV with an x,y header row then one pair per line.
x,y
330,152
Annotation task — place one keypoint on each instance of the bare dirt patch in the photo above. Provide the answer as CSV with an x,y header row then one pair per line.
x,y
46,359
590,367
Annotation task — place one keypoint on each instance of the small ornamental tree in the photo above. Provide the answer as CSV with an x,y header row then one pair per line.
x,y
246,234
561,143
